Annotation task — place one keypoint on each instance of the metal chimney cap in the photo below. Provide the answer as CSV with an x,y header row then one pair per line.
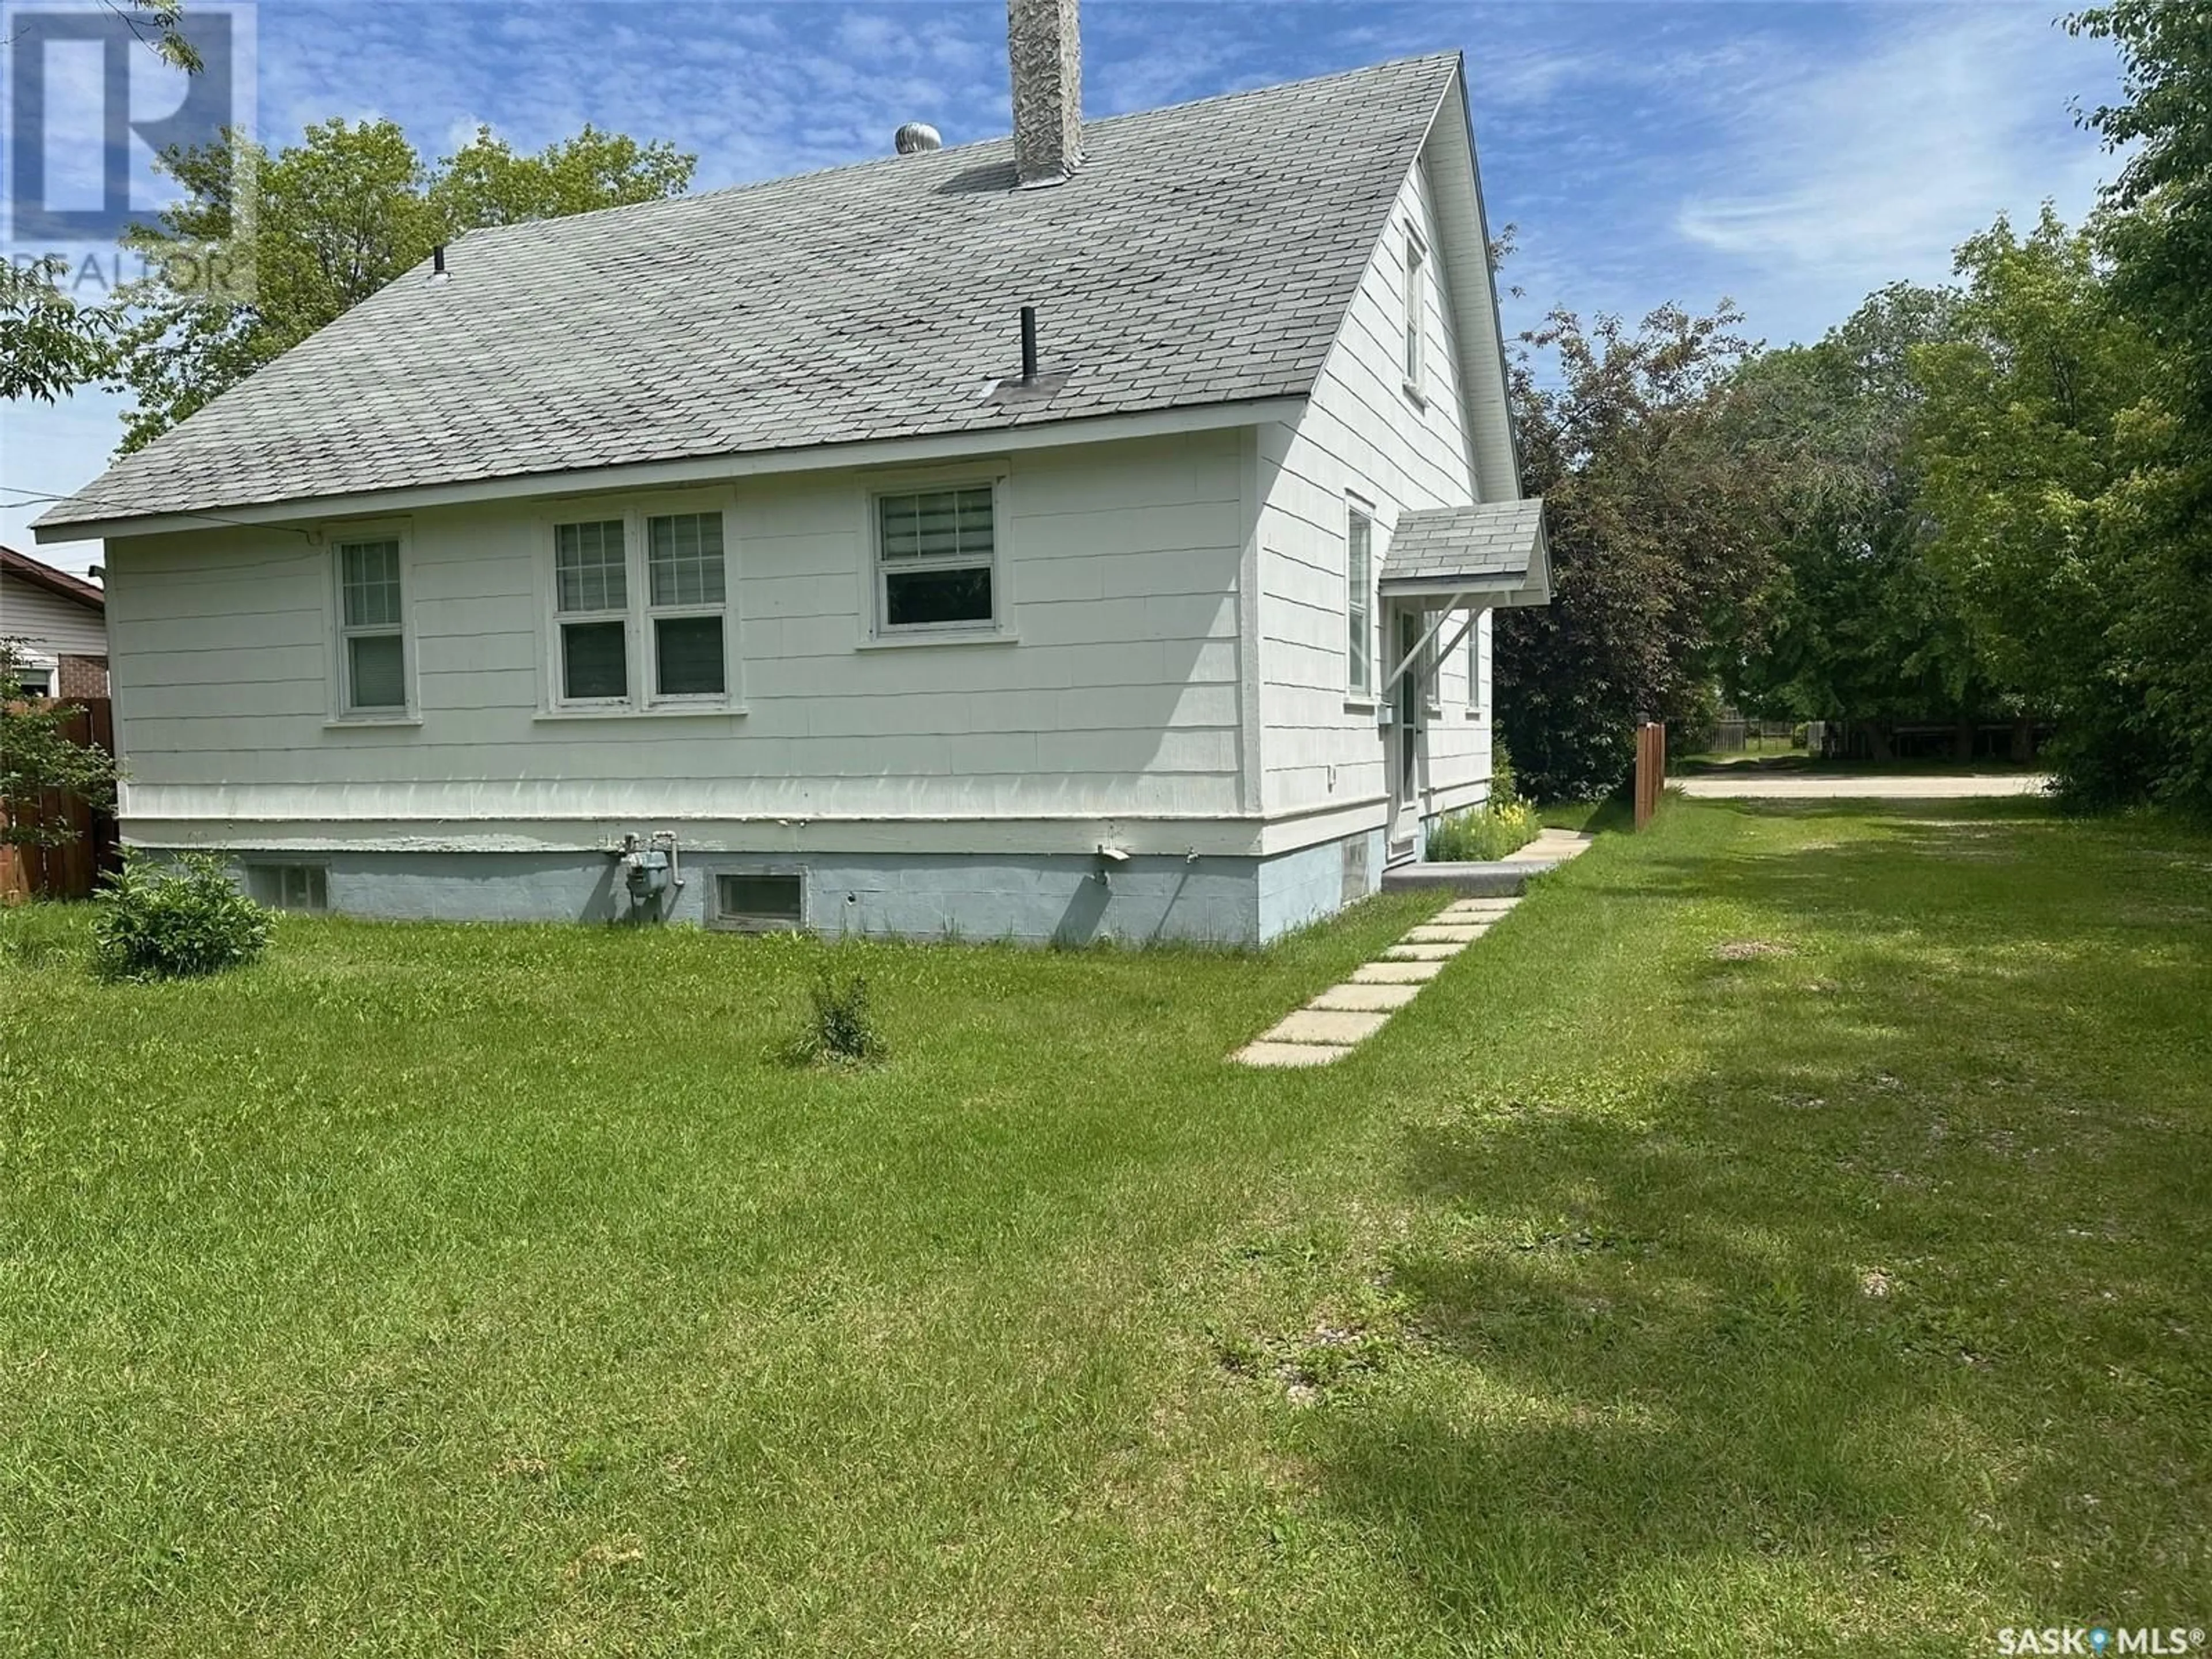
x,y
916,136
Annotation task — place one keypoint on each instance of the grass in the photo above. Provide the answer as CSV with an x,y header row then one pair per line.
x,y
1785,1233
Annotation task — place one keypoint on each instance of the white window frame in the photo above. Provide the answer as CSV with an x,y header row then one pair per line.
x,y
1359,607
880,630
1415,343
336,539
641,642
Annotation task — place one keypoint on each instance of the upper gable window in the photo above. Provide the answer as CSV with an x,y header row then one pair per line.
x,y
936,554
1416,310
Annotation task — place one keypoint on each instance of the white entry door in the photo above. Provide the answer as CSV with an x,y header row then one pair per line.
x,y
1402,738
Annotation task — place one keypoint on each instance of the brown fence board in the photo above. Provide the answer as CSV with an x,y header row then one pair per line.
x,y
1651,769
74,869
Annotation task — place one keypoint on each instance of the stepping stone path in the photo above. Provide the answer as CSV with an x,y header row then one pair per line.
x,y
1330,1026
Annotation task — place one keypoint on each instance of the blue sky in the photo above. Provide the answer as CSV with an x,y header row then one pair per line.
x,y
1792,156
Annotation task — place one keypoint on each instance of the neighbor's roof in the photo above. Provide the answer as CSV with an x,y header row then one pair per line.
x,y
1486,547
1203,254
40,573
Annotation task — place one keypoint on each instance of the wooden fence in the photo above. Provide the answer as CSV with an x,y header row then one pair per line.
x,y
1651,769
73,869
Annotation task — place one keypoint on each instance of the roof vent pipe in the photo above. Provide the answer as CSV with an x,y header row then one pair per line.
x,y
1029,345
438,262
1044,51
916,138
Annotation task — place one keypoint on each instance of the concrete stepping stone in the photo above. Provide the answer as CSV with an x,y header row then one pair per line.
x,y
1354,998
1327,1025
1395,973
1264,1053
1327,1028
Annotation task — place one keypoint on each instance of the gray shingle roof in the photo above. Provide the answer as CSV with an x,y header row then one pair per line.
x,y
1489,546
1205,254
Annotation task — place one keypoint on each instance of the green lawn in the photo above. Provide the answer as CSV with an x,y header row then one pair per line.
x,y
1789,1231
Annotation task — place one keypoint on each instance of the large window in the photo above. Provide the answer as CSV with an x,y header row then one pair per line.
x,y
1417,295
591,595
936,559
1359,600
373,637
652,585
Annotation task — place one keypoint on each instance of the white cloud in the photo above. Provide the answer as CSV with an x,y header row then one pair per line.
x,y
1839,176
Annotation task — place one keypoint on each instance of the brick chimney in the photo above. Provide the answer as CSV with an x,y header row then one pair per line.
x,y
1045,51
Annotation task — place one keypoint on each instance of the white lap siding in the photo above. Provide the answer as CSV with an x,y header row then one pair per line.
x,y
1119,697
1323,754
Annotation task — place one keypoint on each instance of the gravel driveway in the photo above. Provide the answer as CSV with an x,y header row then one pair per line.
x,y
1845,786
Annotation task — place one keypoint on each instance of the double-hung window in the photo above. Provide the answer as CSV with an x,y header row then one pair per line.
x,y
684,561
640,606
1358,602
372,628
591,603
1417,295
937,559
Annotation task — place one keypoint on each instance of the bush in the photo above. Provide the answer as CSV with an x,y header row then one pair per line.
x,y
1504,785
841,1026
1486,832
174,921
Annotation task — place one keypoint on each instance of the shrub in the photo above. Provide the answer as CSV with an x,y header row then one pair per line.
x,y
1489,831
841,1026
174,921
1504,785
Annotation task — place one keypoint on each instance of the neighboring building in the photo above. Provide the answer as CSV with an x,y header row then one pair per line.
x,y
57,625
746,519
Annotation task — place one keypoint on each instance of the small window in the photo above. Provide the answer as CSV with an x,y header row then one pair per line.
x,y
759,902
372,632
35,682
936,554
590,598
291,886
684,570
1358,589
1417,264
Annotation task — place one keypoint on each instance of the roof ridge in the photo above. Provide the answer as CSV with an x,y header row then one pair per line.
x,y
1002,139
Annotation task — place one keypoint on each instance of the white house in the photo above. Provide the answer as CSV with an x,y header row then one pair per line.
x,y
56,626
1091,533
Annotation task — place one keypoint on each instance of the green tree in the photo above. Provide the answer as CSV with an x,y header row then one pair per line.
x,y
1860,624
2055,473
49,344
1659,552
333,219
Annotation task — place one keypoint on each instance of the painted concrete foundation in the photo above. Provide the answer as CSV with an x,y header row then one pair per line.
x,y
1035,899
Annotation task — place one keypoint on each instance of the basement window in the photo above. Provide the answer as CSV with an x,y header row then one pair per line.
x,y
759,902
303,887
